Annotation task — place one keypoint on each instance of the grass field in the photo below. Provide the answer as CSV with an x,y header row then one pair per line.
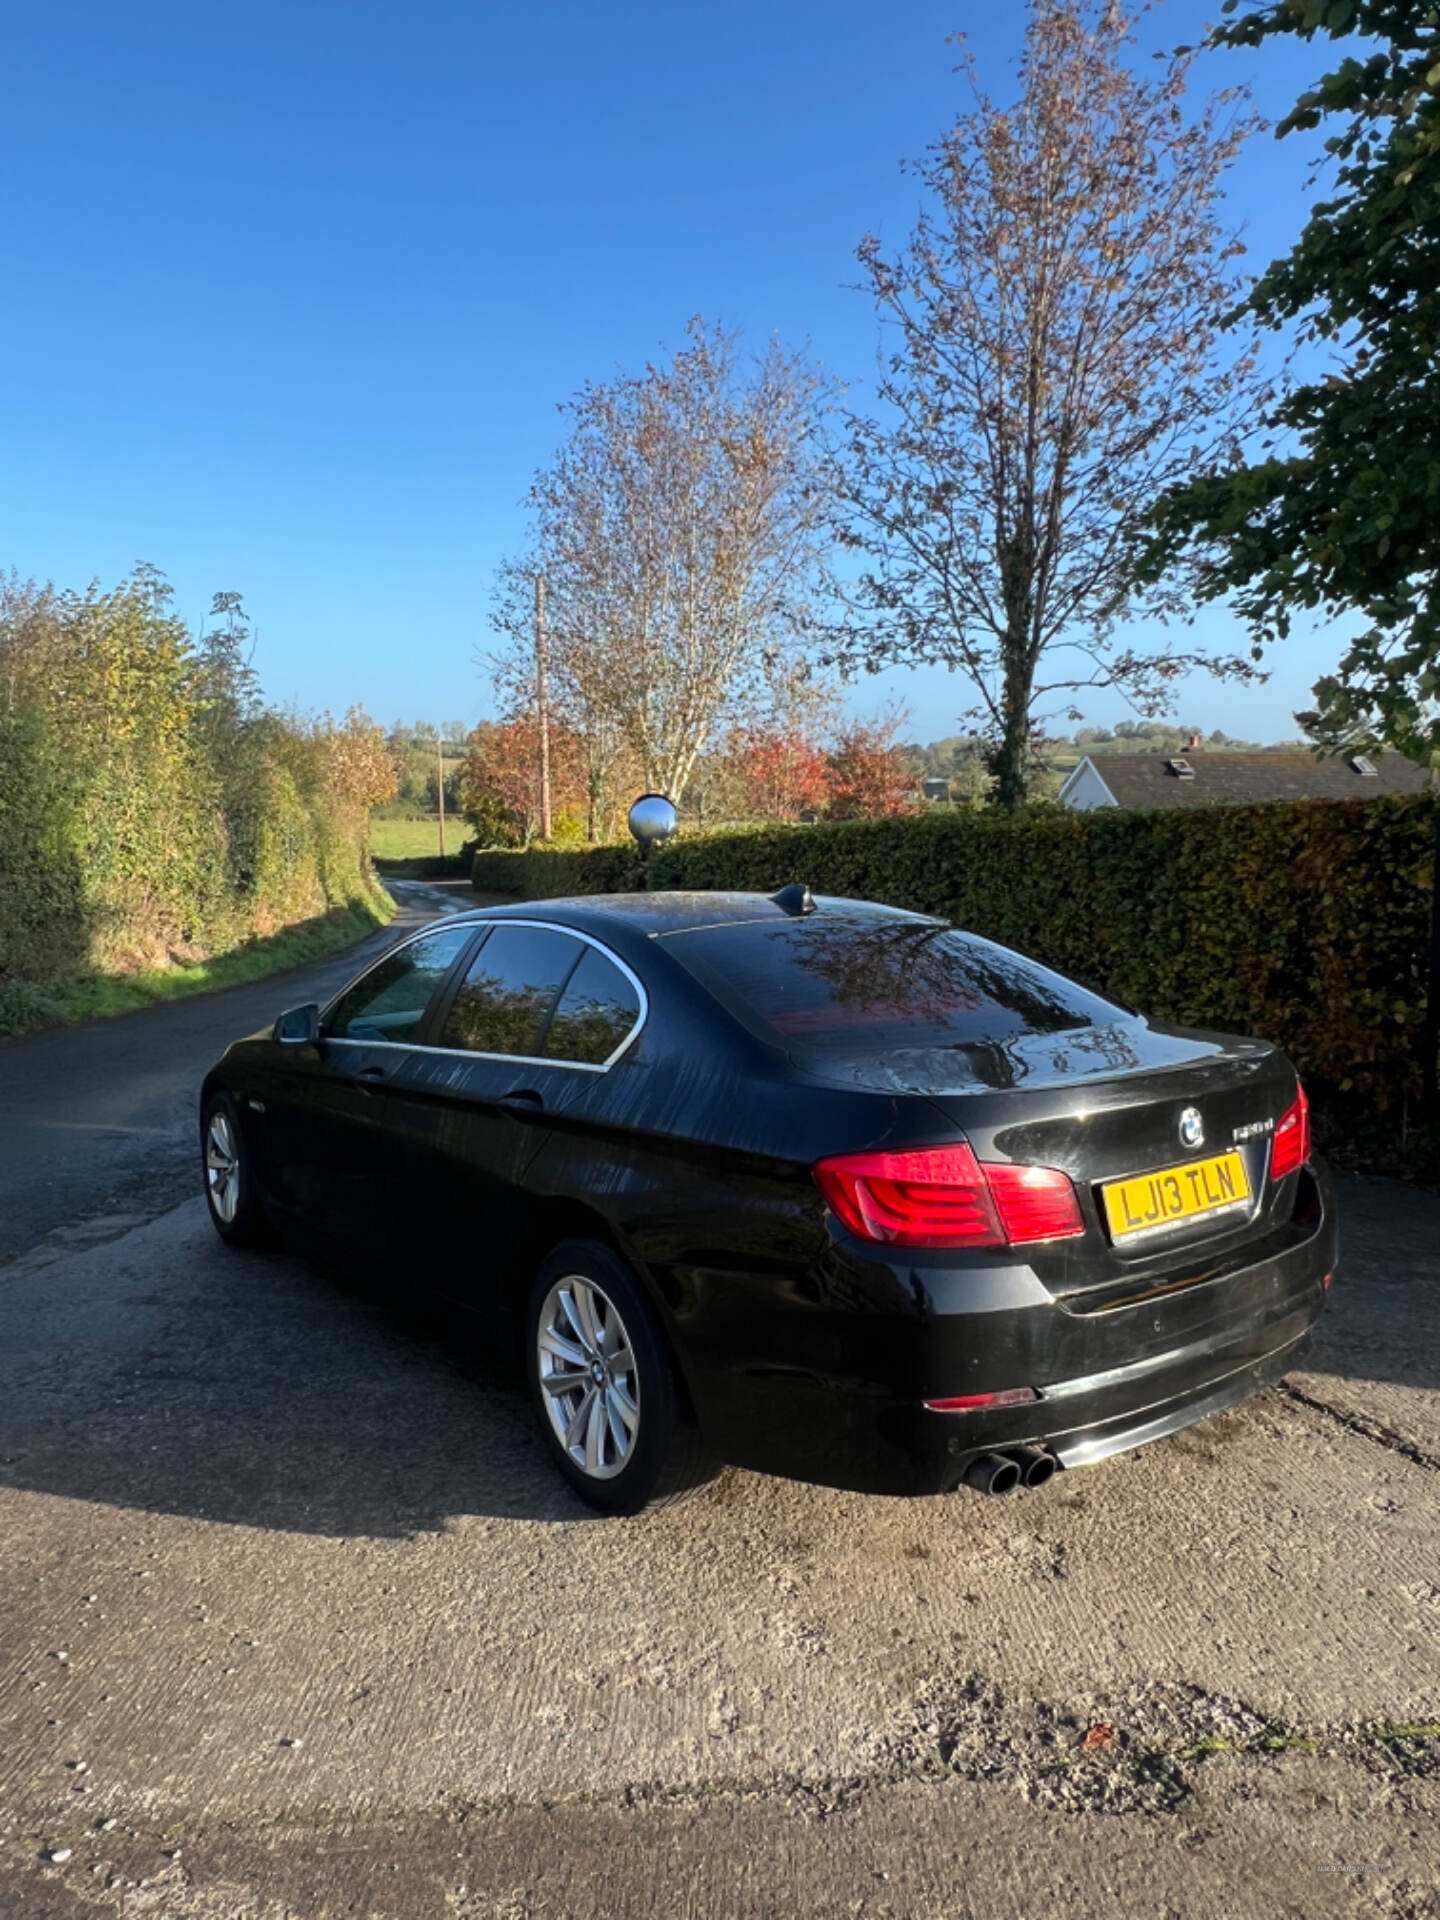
x,y
414,839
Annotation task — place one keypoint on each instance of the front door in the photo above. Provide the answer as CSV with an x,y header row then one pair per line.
x,y
322,1140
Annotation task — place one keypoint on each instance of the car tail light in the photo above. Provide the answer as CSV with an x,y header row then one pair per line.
x,y
1291,1147
1035,1203
945,1197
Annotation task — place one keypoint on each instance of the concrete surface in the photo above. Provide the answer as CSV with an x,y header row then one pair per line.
x,y
290,1595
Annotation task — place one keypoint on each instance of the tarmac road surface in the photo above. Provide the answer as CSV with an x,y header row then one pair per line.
x,y
100,1119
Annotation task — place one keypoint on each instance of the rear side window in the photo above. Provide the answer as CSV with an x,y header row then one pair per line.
x,y
826,983
597,1012
389,1002
509,990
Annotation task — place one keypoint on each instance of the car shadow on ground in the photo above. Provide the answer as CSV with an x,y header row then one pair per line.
x,y
269,1390
1383,1320
288,1396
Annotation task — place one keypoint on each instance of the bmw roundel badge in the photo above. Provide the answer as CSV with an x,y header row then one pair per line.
x,y
1192,1128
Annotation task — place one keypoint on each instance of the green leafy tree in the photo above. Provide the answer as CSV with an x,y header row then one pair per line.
x,y
1347,520
228,685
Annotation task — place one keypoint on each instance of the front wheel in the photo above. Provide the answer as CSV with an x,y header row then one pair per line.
x,y
230,1192
604,1385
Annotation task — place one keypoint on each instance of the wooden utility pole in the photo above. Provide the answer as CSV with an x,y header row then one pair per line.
x,y
542,706
440,787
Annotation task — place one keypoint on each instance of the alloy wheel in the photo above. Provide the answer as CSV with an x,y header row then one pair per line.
x,y
222,1167
588,1376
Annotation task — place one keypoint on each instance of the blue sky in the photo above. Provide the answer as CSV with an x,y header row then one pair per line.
x,y
294,290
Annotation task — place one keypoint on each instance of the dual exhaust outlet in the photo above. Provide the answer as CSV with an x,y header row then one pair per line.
x,y
1003,1472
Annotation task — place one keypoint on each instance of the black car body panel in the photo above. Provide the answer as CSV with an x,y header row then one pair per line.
x,y
805,1349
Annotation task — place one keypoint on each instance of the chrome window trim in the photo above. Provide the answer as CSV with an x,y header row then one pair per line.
x,y
469,1053
518,1059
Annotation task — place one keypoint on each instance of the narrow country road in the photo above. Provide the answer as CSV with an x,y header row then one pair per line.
x,y
97,1123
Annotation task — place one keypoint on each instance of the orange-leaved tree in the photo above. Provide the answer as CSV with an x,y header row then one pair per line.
x,y
866,772
500,784
775,774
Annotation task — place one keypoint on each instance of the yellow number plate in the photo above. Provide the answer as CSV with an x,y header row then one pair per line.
x,y
1154,1200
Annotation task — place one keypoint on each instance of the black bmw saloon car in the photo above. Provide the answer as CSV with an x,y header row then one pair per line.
x,y
803,1184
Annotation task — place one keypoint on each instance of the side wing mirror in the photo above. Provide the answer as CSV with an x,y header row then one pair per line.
x,y
300,1027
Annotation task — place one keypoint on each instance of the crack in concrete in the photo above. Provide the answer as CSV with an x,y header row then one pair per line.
x,y
1140,1760
1131,1753
1363,1426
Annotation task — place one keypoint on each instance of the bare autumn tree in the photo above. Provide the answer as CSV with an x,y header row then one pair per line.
x,y
683,531
1051,365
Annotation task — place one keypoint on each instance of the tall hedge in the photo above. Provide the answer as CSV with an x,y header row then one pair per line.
x,y
1302,921
549,873
151,809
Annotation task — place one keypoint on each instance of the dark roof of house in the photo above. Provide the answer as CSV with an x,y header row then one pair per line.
x,y
1150,779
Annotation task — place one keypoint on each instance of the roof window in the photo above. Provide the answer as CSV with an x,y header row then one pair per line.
x,y
1365,767
1181,769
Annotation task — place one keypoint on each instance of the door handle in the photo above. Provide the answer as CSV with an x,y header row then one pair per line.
x,y
523,1100
372,1073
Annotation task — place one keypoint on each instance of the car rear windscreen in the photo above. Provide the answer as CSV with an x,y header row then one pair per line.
x,y
877,983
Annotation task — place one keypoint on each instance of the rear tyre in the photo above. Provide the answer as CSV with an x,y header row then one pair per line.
x,y
604,1386
230,1190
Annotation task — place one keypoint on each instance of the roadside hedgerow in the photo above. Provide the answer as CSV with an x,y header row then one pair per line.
x,y
154,814
1302,921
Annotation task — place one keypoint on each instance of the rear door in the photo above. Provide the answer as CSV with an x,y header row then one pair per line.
x,y
323,1117
535,1012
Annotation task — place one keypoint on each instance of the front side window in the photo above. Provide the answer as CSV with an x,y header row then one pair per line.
x,y
597,1010
389,1002
505,1002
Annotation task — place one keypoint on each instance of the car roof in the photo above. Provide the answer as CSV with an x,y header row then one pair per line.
x,y
655,915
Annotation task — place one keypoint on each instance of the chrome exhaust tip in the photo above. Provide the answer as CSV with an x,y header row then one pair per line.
x,y
1036,1466
993,1473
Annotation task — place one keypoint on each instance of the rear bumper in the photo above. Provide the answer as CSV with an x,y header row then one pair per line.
x,y
1084,1447
1106,1381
